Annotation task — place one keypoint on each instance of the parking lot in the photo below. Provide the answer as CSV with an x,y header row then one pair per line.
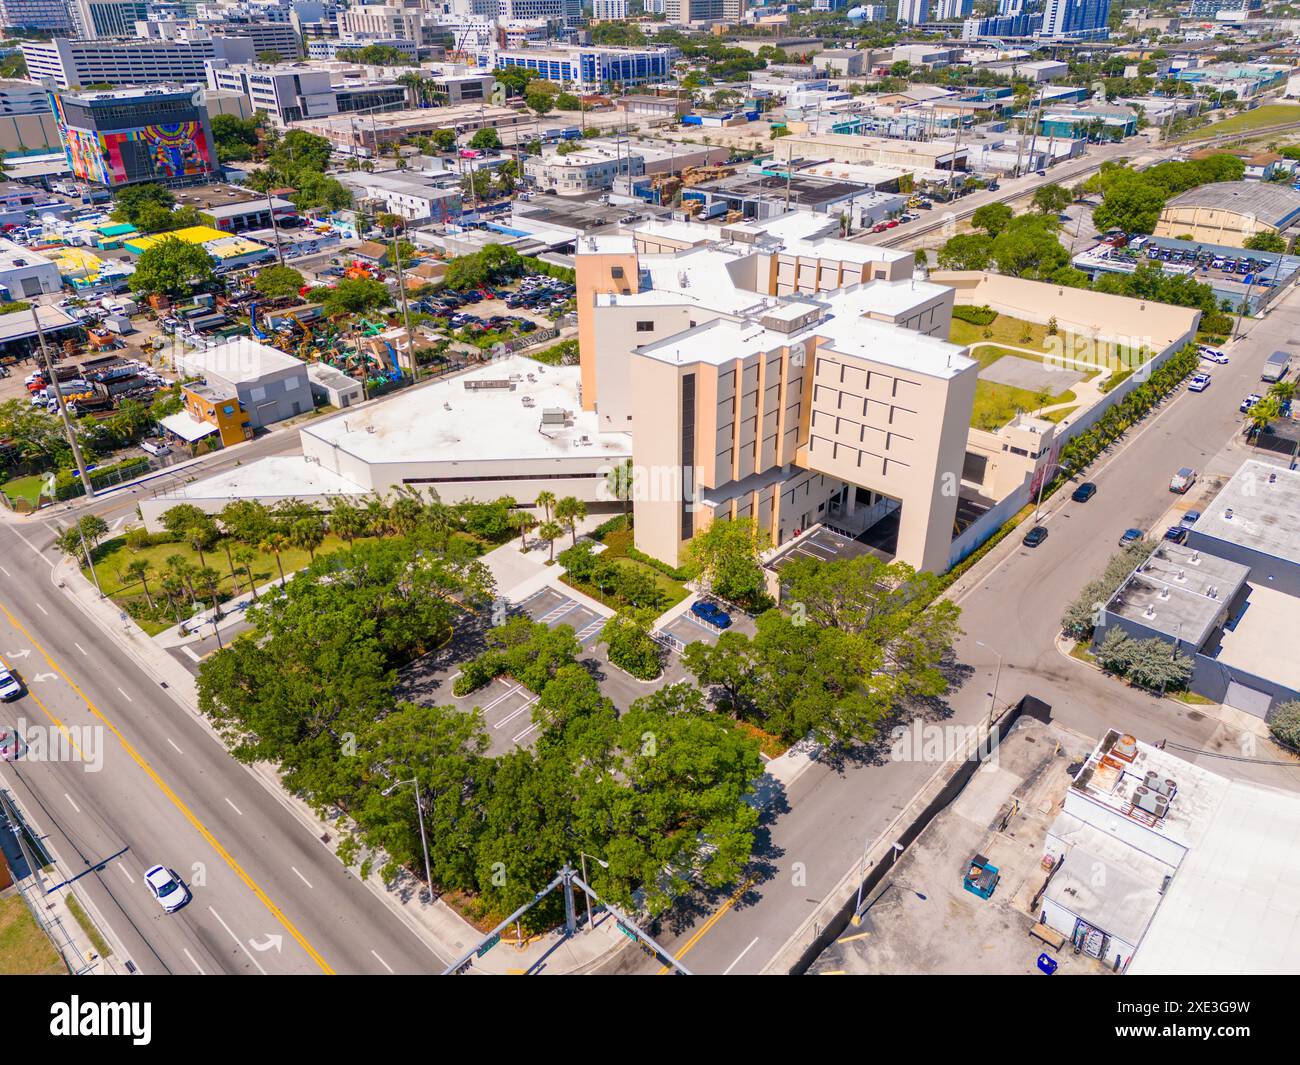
x,y
552,608
687,628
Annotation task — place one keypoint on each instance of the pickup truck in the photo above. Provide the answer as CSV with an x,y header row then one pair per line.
x,y
1277,367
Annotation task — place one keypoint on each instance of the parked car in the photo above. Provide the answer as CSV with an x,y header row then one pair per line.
x,y
1249,402
1199,382
1176,533
166,887
1212,355
1190,518
1084,492
1035,536
1131,536
711,613
154,447
1181,481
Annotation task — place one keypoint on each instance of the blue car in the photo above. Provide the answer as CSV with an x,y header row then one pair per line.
x,y
1176,533
711,613
1131,536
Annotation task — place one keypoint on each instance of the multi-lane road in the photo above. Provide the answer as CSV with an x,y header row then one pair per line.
x,y
146,783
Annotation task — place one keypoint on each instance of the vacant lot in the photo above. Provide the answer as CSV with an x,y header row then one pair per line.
x,y
24,949
1260,118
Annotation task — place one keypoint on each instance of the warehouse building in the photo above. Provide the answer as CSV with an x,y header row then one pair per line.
x,y
1229,212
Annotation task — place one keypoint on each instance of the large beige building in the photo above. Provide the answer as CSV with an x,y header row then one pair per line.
x,y
1229,212
775,376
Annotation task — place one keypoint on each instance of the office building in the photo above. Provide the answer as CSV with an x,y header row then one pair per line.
x,y
588,69
73,63
134,135
269,384
608,9
951,10
688,11
36,15
417,199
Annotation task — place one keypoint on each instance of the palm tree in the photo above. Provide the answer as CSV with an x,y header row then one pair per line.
x,y
138,570
619,482
546,500
550,531
347,521
524,522
1284,390
225,542
377,515
174,589
1262,414
274,544
200,534
209,581
569,511
244,557
404,513
307,534
182,569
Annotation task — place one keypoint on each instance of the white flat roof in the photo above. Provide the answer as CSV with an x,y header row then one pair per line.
x,y
1259,508
1234,905
18,325
239,360
16,257
448,422
187,427
275,477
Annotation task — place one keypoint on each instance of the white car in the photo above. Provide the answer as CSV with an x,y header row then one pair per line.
x,y
154,447
1211,355
10,688
167,888
1199,383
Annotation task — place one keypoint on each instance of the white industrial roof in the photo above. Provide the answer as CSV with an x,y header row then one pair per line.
x,y
18,325
1234,905
239,360
274,477
1259,508
187,427
448,422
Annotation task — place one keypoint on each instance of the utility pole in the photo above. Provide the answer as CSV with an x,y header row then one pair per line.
x,y
406,314
68,430
270,207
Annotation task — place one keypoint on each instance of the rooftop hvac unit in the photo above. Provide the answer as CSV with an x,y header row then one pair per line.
x,y
1161,806
1151,779
1125,747
1164,593
554,416
1150,802
1149,612
528,401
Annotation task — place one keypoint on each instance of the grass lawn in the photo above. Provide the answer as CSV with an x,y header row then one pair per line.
x,y
1081,652
28,488
112,556
1192,699
24,949
996,404
88,926
1268,115
1011,331
1058,415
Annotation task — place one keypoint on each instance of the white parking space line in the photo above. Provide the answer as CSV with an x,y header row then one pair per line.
x,y
234,807
5,572
502,698
193,962
126,697
79,647
125,871
71,803
515,713
42,609
728,969
383,963
239,941
520,735
301,877
174,747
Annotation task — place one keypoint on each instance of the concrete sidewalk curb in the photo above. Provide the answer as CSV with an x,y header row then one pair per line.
x,y
440,928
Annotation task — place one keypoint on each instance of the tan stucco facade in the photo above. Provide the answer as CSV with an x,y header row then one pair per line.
x,y
1210,225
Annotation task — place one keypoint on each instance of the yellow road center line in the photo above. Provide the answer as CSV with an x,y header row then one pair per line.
x,y
175,800
721,912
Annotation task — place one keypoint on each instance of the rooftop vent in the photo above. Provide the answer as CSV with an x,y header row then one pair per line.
x,y
1149,612
1125,748
1227,514
1164,593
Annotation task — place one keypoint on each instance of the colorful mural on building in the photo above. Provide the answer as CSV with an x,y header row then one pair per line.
x,y
163,151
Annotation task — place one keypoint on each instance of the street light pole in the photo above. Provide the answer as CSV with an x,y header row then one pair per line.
x,y
419,812
68,431
582,858
993,696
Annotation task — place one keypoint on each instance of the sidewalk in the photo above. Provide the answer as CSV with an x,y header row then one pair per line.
x,y
447,933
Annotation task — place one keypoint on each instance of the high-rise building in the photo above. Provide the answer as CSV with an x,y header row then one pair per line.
x,y
948,10
1075,18
609,9
74,63
133,135
914,12
685,11
36,15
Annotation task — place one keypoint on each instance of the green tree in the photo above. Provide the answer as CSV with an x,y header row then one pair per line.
x,y
568,512
966,251
993,218
278,282
444,139
270,58
172,268
631,646
1284,723
355,296
550,531
1131,204
1052,199
1266,240
131,200
1028,247
727,554
486,139
540,102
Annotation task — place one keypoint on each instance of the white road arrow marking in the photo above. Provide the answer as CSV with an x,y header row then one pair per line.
x,y
40,678
271,942
24,653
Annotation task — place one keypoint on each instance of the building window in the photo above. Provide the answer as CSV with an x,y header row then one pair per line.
x,y
645,327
